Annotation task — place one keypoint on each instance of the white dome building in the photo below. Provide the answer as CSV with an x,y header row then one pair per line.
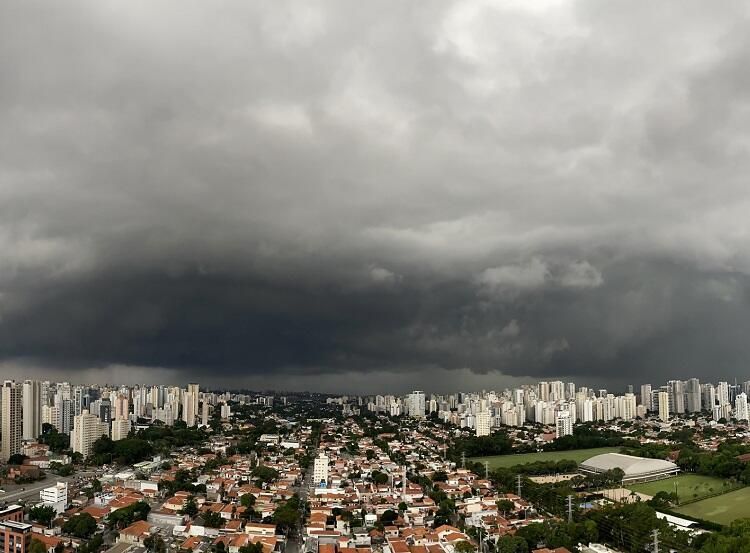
x,y
636,469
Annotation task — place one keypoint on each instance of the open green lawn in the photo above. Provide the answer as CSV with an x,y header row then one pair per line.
x,y
722,509
689,486
577,455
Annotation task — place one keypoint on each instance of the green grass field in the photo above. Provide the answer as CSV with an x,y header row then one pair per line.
x,y
577,455
721,509
689,486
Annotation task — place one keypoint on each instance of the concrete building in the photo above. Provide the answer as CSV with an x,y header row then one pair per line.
x,y
87,428
120,429
483,423
188,409
740,407
15,537
416,404
55,496
664,406
320,470
11,427
32,409
563,424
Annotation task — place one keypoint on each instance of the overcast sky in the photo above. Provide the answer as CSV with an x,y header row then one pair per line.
x,y
373,196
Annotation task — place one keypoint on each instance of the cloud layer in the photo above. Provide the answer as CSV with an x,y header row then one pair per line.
x,y
253,190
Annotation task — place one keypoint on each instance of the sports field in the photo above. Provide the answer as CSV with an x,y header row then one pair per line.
x,y
722,509
577,455
689,486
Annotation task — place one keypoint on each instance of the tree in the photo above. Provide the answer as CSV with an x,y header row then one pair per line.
x,y
37,546
122,518
464,547
265,474
81,526
43,514
388,516
17,459
190,508
213,520
247,500
155,543
505,506
379,478
256,547
512,544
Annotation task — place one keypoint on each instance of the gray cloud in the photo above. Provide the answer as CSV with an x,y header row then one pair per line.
x,y
249,191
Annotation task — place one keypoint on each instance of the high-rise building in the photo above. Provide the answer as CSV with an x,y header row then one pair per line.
x,y
416,404
122,407
722,393
120,429
628,407
194,390
740,407
483,423
87,428
677,393
32,409
693,395
320,470
646,399
204,413
188,409
563,424
664,406
11,427
51,415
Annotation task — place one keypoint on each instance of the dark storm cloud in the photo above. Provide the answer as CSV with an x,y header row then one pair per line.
x,y
268,189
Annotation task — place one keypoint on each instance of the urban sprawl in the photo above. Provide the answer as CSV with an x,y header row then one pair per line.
x,y
547,467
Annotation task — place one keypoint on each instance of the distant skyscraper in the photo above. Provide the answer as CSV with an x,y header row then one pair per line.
x,y
722,393
483,423
740,407
122,407
32,409
415,404
87,428
693,395
677,391
11,427
664,406
196,391
188,409
646,398
563,424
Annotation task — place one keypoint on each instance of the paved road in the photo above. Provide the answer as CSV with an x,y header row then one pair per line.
x,y
31,491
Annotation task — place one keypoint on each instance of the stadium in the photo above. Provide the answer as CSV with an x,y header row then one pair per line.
x,y
636,469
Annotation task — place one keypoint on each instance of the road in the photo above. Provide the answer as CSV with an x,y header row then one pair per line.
x,y
295,543
31,491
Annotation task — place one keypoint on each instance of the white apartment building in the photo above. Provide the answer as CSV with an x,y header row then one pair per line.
x,y
740,407
120,429
55,496
563,424
664,406
87,428
11,427
483,423
32,409
416,404
320,470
